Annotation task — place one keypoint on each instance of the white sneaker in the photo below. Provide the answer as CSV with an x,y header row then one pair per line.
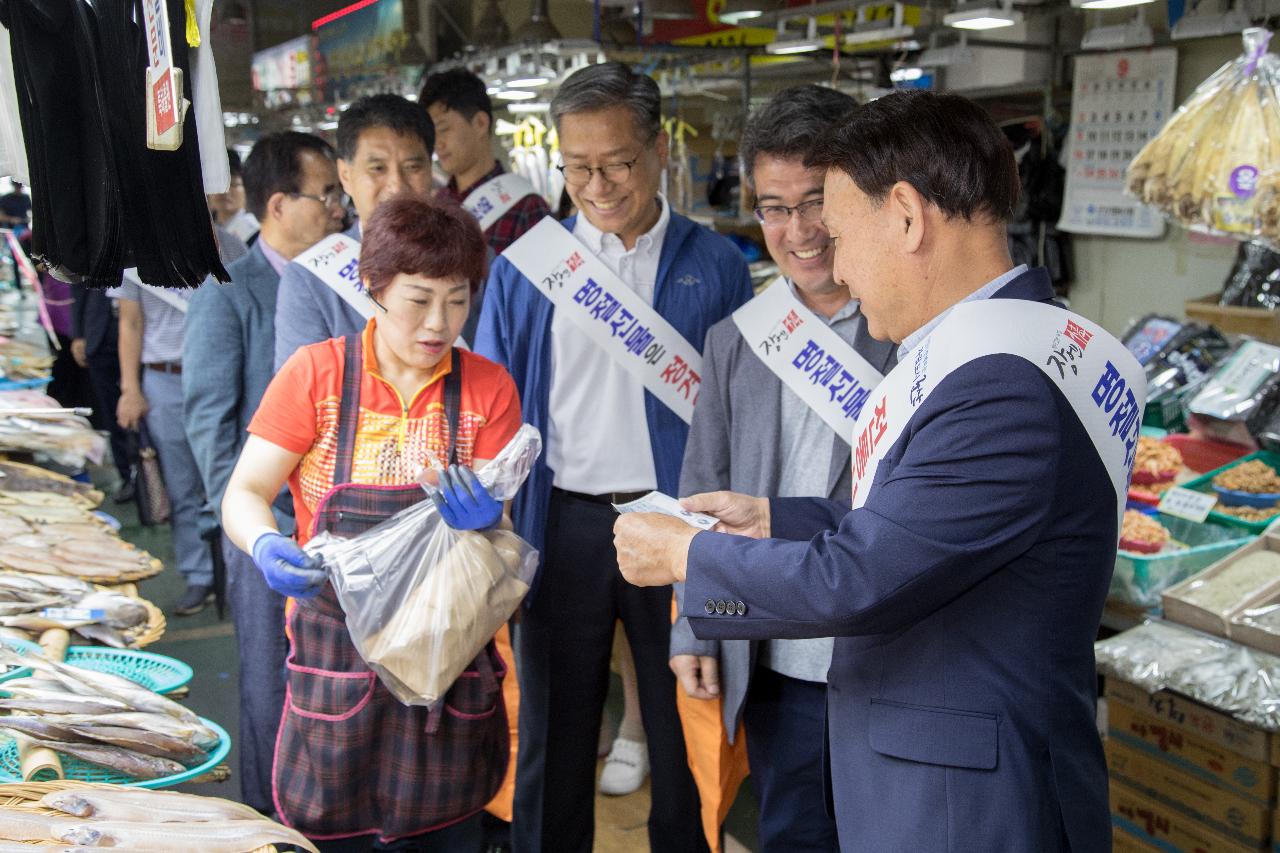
x,y
625,769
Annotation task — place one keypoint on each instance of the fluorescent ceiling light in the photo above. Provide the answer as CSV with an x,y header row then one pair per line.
x,y
950,55
1136,33
1231,22
492,90
516,95
1107,4
906,75
737,11
530,107
888,34
983,17
787,44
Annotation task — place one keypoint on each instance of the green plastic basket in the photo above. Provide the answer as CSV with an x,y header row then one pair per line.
x,y
1141,578
22,647
83,771
160,673
1205,484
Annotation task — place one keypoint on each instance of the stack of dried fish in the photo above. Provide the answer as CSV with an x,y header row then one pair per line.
x,y
66,439
107,817
37,603
20,361
1216,165
15,477
82,549
103,719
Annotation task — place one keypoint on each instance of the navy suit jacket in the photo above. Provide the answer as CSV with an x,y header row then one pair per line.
x,y
965,598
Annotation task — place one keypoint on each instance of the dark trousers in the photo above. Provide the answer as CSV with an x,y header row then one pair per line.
x,y
258,612
565,640
784,720
464,837
104,385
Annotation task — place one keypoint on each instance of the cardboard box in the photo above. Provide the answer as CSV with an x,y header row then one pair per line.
x,y
1255,322
1253,635
1177,609
1229,814
1204,759
1190,716
1123,842
1153,822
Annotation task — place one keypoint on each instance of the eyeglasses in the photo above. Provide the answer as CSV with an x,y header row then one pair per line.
x,y
614,173
328,199
779,214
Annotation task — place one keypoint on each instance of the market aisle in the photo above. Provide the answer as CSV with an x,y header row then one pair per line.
x,y
209,646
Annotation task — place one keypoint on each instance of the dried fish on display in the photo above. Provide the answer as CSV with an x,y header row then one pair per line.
x,y
1215,166
20,477
69,440
21,361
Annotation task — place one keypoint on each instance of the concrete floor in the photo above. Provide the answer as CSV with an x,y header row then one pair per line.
x,y
208,645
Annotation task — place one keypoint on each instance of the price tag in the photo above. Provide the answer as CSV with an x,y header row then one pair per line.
x,y
72,614
1188,504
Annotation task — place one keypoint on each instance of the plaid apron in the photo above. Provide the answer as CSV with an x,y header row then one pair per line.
x,y
350,758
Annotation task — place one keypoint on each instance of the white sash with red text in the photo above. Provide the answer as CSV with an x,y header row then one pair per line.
x,y
1101,380
610,314
808,356
335,260
490,201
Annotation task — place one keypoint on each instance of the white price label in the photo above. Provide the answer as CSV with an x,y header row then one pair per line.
x,y
1188,504
667,505
72,614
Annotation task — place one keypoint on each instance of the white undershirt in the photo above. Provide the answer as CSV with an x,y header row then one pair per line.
x,y
598,440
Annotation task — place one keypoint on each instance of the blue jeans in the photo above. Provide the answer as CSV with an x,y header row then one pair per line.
x,y
181,476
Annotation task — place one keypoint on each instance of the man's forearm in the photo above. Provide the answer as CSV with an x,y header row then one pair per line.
x,y
130,349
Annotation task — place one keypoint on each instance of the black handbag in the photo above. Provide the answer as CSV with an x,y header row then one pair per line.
x,y
153,500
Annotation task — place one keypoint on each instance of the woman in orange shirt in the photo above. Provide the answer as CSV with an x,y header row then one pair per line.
x,y
348,423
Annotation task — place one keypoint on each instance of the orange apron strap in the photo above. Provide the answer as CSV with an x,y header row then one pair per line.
x,y
502,805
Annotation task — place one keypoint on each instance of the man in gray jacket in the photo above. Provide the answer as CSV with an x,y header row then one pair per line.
x,y
752,432
291,186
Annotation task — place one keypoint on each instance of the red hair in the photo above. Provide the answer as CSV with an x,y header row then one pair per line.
x,y
427,237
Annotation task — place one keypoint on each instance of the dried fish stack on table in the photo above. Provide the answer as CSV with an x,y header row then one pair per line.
x,y
92,817
21,361
33,604
20,477
66,439
87,550
103,720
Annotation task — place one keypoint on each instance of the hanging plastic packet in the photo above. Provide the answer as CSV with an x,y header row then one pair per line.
x,y
421,599
1254,281
1185,362
1236,403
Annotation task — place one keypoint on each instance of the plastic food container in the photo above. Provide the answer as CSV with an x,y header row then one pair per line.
x,y
1209,600
1141,578
1205,484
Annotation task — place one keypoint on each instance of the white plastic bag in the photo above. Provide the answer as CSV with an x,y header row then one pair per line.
x,y
421,599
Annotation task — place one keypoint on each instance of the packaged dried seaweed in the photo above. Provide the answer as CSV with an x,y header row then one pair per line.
x,y
1215,166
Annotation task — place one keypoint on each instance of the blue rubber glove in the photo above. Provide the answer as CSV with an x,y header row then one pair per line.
x,y
287,568
464,502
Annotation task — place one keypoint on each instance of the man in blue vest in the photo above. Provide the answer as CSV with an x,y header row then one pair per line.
x,y
384,148
291,188
966,585
608,438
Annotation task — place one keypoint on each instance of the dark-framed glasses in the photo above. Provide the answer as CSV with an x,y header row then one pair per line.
x,y
576,175
779,214
328,199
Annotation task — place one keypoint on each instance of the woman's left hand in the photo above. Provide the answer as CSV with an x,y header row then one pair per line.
x,y
463,501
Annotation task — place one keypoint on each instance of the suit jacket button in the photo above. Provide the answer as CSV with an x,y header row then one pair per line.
x,y
741,608
720,607
710,606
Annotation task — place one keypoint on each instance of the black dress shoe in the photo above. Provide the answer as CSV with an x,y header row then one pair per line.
x,y
193,600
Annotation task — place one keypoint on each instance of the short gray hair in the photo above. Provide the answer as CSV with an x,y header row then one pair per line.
x,y
791,124
609,85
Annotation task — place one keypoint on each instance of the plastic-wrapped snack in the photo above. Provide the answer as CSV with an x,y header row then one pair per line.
x,y
1213,167
1151,653
1243,682
1185,362
1149,335
1254,281
422,599
1237,402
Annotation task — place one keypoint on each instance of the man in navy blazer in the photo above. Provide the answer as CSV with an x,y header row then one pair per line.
x,y
965,593
231,338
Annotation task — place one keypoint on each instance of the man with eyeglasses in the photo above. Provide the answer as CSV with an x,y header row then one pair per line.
x,y
601,320
229,209
759,429
384,149
506,204
291,187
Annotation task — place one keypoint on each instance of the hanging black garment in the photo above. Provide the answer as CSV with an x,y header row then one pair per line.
x,y
1034,238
